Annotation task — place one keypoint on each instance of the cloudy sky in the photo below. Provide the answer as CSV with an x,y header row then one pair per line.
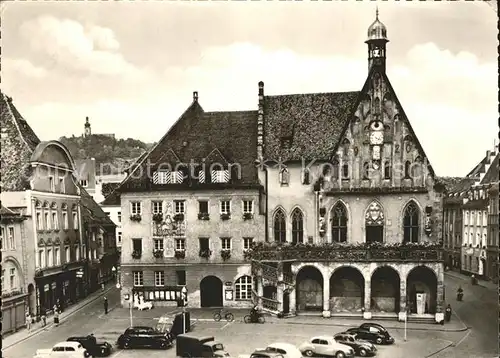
x,y
132,66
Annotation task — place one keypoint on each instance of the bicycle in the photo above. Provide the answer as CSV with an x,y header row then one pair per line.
x,y
228,316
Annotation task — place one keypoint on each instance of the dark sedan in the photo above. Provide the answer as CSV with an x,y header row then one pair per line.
x,y
372,332
361,348
141,337
93,347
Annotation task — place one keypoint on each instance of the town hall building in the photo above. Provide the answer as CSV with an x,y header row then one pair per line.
x,y
319,202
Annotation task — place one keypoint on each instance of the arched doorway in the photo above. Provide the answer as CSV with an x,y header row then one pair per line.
x,y
309,295
421,284
347,287
385,290
211,292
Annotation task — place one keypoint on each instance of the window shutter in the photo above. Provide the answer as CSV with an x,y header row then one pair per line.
x,y
201,176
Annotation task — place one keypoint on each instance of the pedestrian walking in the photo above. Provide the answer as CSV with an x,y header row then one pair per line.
x,y
56,315
105,305
28,321
43,316
447,314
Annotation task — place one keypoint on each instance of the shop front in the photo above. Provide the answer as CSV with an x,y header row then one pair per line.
x,y
61,288
14,307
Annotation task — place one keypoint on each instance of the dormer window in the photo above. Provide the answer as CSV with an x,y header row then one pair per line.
x,y
168,177
284,176
220,176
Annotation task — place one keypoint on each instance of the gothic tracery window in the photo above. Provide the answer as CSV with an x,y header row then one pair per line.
x,y
297,227
411,223
279,226
339,223
374,223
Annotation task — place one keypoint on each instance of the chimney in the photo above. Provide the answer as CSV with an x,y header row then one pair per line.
x,y
195,96
488,154
260,122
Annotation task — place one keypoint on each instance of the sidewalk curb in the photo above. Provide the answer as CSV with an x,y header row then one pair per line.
x,y
49,325
388,327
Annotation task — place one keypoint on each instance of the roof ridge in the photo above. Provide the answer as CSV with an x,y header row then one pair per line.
x,y
8,101
210,113
310,93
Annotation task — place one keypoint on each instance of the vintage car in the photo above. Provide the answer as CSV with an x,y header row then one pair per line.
x,y
372,332
63,350
142,336
286,350
90,343
326,346
361,348
189,345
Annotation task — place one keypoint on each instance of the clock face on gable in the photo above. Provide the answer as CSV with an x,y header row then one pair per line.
x,y
376,133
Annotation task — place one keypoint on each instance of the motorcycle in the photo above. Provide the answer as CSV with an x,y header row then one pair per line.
x,y
254,318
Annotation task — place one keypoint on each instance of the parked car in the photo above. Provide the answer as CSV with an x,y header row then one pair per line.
x,y
189,345
287,350
90,343
142,336
265,354
372,332
63,350
361,348
325,346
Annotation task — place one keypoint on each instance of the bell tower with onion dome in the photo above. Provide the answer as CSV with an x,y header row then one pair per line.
x,y
377,40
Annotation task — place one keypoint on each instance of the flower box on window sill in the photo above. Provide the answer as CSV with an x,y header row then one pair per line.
x,y
225,216
179,217
12,293
180,254
158,217
203,216
247,216
225,254
136,254
205,253
158,253
135,217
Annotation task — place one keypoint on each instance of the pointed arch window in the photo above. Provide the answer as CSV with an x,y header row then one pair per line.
x,y
297,226
407,169
387,170
345,172
335,171
374,223
339,223
411,223
345,146
279,225
306,179
284,176
366,171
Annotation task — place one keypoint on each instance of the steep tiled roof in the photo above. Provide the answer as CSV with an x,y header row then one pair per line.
x,y
312,122
113,198
18,143
455,184
6,211
196,134
92,211
491,175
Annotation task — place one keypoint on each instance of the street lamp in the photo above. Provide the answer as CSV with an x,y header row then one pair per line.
x,y
184,303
